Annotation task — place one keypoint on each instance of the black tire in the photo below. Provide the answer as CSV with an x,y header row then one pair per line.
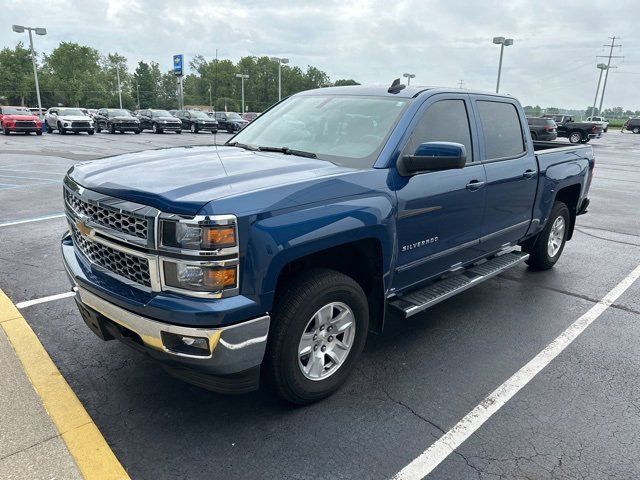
x,y
304,296
111,128
61,130
229,129
575,136
138,132
193,128
214,131
49,129
155,128
605,130
91,132
38,132
6,131
534,136
178,131
636,130
98,129
538,250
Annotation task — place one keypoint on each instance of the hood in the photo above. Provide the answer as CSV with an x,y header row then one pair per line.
x,y
74,118
183,180
168,119
21,117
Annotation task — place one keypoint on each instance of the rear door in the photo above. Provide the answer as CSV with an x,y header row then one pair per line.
x,y
511,168
440,212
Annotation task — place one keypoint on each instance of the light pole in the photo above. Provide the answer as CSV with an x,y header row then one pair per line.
x,y
409,76
503,42
119,88
602,67
280,62
242,77
39,31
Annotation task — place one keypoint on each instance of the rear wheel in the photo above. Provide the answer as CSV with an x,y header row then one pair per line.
x,y
636,130
575,137
549,243
318,332
38,132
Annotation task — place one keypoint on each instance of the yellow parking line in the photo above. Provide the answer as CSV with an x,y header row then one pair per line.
x,y
83,439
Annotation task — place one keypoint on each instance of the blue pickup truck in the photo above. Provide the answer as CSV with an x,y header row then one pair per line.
x,y
273,256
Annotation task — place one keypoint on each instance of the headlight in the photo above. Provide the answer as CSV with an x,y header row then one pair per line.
x,y
197,237
201,278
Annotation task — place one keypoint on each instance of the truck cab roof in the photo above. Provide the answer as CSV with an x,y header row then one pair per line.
x,y
409,91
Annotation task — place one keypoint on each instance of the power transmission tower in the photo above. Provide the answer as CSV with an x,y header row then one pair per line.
x,y
606,76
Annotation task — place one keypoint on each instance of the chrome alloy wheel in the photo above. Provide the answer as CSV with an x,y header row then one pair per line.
x,y
326,341
556,236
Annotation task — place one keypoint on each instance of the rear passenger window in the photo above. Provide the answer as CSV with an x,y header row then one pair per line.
x,y
501,128
444,121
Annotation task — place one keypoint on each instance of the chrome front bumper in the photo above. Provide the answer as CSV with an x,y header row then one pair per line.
x,y
231,349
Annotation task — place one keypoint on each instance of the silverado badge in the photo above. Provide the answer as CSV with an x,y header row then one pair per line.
x,y
422,243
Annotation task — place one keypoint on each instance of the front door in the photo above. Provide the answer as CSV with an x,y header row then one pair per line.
x,y
439,213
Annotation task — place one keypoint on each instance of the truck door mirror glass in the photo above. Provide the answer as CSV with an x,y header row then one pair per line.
x,y
433,156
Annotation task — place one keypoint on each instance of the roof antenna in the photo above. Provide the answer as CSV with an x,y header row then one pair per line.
x,y
396,86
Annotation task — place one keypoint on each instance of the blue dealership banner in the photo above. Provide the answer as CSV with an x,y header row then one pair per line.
x,y
178,61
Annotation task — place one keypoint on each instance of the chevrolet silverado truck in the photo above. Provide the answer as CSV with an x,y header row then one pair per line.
x,y
576,132
273,256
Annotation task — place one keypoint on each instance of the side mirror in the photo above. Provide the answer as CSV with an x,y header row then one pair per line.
x,y
433,156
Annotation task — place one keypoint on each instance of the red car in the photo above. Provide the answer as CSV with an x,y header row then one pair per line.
x,y
19,119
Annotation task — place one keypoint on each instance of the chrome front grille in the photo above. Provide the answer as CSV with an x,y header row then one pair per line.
x,y
123,264
110,218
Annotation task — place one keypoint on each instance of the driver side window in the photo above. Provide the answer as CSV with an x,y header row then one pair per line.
x,y
443,121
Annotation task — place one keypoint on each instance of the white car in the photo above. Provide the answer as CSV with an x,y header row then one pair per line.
x,y
64,119
600,121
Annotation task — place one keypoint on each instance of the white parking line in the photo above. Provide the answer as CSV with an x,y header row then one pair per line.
x,y
50,298
29,220
450,441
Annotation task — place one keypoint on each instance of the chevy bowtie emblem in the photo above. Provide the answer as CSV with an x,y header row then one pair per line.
x,y
83,228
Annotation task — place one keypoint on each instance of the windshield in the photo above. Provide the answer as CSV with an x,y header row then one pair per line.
x,y
161,113
198,114
119,113
70,112
345,130
15,111
233,116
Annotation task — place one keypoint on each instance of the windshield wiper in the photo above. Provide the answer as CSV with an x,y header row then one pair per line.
x,y
288,151
246,146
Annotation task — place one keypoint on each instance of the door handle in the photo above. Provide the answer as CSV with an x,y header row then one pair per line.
x,y
529,174
474,185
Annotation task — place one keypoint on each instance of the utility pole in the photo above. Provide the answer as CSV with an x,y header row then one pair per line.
x,y
210,99
602,67
610,56
119,88
242,77
460,84
215,77
138,94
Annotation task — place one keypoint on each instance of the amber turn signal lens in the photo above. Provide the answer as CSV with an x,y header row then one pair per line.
x,y
220,278
218,237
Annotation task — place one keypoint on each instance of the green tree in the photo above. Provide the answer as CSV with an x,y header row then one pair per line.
x,y
71,75
345,82
17,84
145,82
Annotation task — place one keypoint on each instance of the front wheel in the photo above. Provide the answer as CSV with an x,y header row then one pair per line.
x,y
155,129
575,137
636,130
91,132
193,128
605,130
549,243
7,131
319,329
61,130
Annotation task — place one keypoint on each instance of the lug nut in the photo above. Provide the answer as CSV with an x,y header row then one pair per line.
x,y
315,336
321,327
330,328
315,347
323,348
331,338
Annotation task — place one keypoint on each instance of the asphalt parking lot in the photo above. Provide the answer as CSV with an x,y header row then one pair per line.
x,y
579,418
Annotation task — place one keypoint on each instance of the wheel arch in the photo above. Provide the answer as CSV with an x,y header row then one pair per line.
x,y
570,196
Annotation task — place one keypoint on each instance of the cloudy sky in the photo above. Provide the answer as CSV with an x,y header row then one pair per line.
x,y
552,61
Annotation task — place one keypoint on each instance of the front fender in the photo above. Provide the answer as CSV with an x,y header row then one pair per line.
x,y
278,240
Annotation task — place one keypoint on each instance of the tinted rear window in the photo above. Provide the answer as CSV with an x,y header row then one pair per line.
x,y
501,128
537,121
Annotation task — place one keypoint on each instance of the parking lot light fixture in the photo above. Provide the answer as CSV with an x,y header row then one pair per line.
x,y
39,31
503,42
409,76
602,67
280,62
242,77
